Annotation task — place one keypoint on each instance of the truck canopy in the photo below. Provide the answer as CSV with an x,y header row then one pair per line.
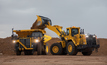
x,y
26,33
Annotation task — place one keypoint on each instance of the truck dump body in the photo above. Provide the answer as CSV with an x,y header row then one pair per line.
x,y
27,33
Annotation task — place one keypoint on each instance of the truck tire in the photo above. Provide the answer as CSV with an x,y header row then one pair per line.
x,y
46,50
56,49
71,49
17,49
28,52
39,48
18,52
88,53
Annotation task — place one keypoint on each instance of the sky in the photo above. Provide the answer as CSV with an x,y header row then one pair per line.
x,y
90,15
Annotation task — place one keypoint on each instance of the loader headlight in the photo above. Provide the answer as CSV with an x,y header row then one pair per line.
x,y
36,40
13,41
87,36
94,36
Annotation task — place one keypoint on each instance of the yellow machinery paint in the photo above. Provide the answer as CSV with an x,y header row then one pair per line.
x,y
26,34
70,48
55,49
75,40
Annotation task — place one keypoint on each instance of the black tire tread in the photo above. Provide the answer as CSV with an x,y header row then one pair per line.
x,y
74,49
60,49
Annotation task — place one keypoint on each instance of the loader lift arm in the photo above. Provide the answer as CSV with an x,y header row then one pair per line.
x,y
57,29
70,43
46,23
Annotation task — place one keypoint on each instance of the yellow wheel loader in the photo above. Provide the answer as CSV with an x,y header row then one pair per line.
x,y
72,41
30,41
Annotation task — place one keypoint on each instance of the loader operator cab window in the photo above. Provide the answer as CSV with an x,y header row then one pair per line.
x,y
36,34
74,31
67,33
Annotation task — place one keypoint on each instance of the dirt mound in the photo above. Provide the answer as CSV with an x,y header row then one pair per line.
x,y
7,48
103,47
34,26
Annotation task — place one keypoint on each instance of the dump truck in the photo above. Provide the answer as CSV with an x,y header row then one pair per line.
x,y
72,41
30,41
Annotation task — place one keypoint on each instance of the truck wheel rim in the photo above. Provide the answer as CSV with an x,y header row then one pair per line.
x,y
70,48
55,49
46,49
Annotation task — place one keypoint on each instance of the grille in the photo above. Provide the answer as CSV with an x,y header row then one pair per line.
x,y
91,40
25,42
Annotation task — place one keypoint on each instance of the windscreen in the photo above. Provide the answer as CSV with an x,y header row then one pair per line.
x,y
74,31
36,34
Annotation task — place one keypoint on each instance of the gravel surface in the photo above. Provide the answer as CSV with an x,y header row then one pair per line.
x,y
53,60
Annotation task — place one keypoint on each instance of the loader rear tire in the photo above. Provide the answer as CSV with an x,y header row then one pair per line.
x,y
39,48
56,49
71,49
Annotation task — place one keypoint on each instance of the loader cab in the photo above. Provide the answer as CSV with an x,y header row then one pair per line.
x,y
72,31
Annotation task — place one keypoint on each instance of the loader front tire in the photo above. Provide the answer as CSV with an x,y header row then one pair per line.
x,y
88,53
56,49
71,49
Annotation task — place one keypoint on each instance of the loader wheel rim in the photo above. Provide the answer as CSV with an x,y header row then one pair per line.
x,y
47,49
70,48
55,49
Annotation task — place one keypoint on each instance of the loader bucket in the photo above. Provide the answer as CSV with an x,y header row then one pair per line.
x,y
41,22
